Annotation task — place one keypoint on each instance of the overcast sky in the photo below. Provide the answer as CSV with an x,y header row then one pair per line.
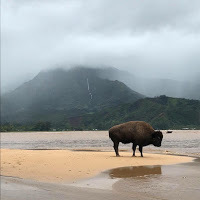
x,y
157,38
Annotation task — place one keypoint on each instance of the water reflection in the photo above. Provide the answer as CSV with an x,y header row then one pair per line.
x,y
130,172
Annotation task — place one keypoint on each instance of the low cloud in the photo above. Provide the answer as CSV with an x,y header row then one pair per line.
x,y
148,38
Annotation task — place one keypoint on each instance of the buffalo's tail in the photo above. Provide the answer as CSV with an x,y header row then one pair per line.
x,y
111,134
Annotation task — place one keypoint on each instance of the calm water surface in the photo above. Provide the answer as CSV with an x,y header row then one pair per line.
x,y
186,142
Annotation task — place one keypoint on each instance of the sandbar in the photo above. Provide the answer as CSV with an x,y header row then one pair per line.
x,y
68,166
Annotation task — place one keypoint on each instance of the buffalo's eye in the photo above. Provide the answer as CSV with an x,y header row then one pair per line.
x,y
159,138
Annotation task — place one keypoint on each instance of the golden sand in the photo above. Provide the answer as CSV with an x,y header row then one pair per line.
x,y
65,165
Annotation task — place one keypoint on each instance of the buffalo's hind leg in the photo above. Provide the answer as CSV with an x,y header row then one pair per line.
x,y
116,145
134,148
140,149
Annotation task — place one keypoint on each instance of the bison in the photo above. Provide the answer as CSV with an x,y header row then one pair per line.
x,y
136,132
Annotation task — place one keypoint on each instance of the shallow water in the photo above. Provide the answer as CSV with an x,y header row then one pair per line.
x,y
185,142
179,181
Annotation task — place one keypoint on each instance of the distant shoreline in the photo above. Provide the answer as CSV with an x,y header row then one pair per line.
x,y
58,131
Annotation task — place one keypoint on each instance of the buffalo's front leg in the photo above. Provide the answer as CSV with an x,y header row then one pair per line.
x,y
116,144
134,148
140,149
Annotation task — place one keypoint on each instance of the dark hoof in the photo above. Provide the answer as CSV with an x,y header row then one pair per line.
x,y
117,155
133,156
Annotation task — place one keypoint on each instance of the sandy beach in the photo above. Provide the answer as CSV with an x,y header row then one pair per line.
x,y
66,165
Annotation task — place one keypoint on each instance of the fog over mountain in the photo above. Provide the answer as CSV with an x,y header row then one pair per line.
x,y
64,93
151,39
84,99
152,87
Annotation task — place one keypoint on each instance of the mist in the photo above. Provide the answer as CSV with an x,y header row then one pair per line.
x,y
151,39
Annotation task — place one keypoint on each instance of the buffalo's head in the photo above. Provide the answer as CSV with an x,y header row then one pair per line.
x,y
157,138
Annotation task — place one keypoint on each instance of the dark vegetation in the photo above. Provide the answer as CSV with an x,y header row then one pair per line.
x,y
161,112
39,126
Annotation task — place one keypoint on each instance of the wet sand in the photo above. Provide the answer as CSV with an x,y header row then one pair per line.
x,y
180,181
66,165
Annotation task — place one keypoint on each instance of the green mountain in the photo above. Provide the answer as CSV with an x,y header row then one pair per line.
x,y
161,112
57,94
85,99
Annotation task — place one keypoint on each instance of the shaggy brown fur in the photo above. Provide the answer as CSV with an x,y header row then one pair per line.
x,y
136,132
